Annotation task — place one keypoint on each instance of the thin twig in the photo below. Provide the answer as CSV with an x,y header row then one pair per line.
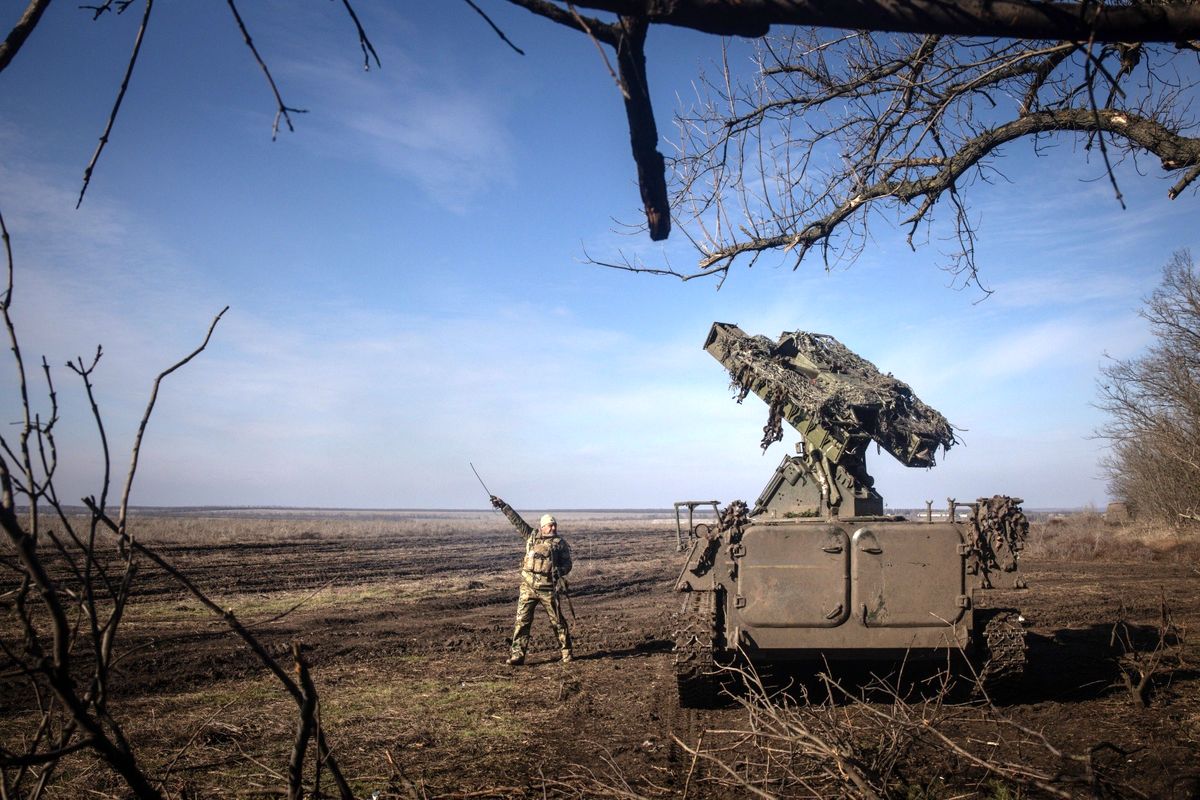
x,y
1089,78
187,745
499,32
621,87
112,117
368,49
281,110
137,441
692,769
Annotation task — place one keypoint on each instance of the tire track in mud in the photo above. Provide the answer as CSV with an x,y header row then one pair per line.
x,y
452,595
299,563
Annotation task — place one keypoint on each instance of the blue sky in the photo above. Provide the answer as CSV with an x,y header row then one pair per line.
x,y
407,288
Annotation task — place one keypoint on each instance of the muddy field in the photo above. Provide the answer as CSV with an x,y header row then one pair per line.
x,y
404,618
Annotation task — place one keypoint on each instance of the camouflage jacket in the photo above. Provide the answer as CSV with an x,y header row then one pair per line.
x,y
547,558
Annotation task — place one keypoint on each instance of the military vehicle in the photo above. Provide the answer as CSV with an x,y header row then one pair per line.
x,y
815,570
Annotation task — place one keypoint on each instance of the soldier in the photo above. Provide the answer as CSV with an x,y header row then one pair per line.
x,y
547,559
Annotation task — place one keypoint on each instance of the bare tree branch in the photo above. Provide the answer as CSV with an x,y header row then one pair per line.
x,y
628,37
230,619
797,158
75,587
282,110
112,116
643,133
308,710
790,744
1024,19
605,32
621,87
503,37
1173,150
20,32
364,43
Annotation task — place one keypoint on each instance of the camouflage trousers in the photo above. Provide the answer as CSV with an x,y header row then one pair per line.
x,y
529,600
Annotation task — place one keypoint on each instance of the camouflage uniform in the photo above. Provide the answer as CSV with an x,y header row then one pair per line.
x,y
547,559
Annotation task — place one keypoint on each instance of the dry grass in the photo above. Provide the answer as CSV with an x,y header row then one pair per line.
x,y
205,527
407,643
1086,536
889,739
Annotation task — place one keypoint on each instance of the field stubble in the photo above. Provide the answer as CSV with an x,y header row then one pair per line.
x,y
404,618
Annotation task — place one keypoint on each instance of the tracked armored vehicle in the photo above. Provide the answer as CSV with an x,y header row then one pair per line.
x,y
815,570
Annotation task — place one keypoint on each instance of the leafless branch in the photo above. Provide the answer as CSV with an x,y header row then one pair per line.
x,y
137,441
504,38
106,6
1141,668
23,457
643,133
308,711
364,43
788,744
1025,19
62,618
796,159
621,87
191,740
112,116
603,31
270,662
20,32
282,110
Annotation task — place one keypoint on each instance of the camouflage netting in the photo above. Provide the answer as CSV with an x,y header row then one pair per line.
x,y
846,394
1001,530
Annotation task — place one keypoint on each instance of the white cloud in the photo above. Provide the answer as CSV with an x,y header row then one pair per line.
x,y
1029,349
1067,287
1047,471
444,131
1059,343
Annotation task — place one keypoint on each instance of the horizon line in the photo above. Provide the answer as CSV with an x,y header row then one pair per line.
x,y
400,509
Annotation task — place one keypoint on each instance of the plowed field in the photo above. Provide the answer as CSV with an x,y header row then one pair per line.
x,y
404,619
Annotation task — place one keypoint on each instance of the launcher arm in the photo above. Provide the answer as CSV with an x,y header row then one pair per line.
x,y
838,402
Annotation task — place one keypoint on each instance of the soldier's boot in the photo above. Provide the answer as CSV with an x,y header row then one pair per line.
x,y
518,645
564,641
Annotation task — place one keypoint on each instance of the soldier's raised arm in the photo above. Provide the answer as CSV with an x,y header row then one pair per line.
x,y
523,527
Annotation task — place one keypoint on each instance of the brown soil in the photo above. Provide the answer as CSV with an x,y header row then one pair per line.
x,y
406,635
